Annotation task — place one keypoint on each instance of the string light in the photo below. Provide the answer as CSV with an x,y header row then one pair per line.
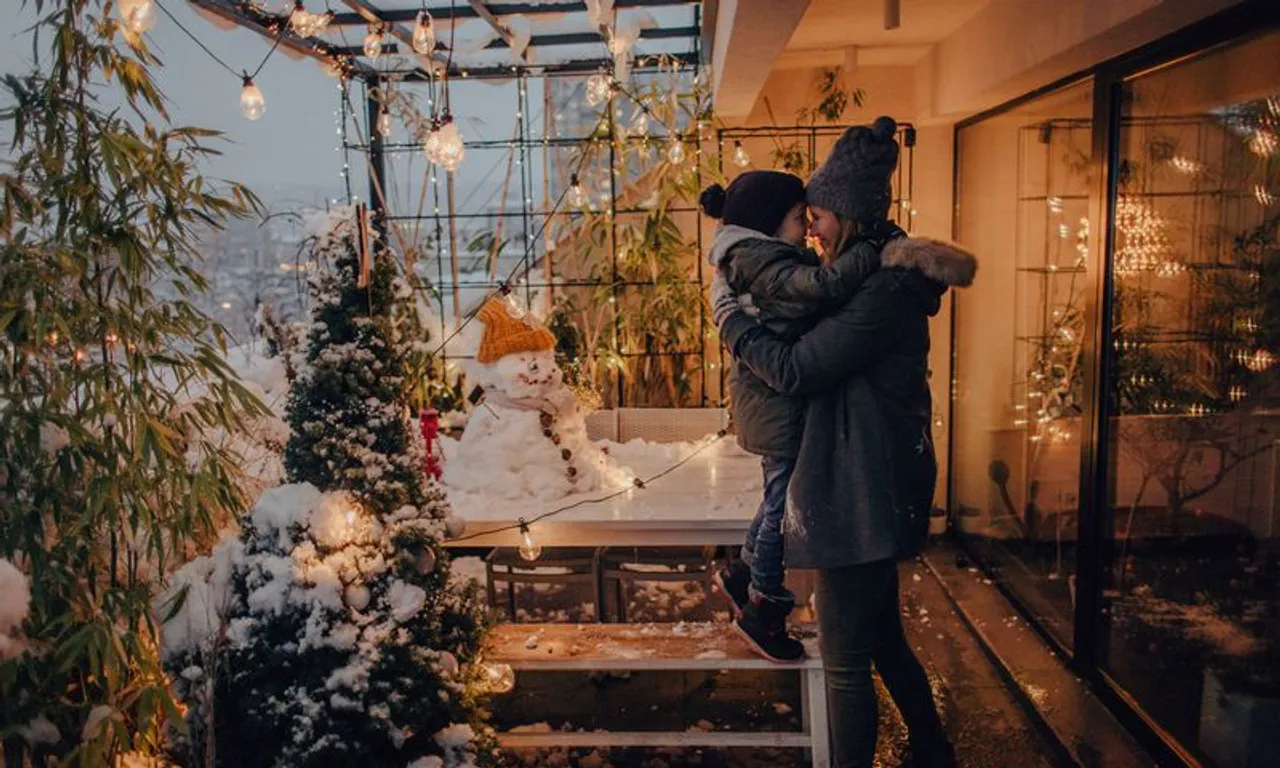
x,y
138,15
529,549
373,43
424,33
1237,394
675,150
307,24
1141,238
740,156
1055,205
449,148
1186,165
1263,195
576,196
1256,361
252,104
1263,143
639,122
500,677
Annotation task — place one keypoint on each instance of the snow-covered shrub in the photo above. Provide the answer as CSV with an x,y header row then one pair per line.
x,y
330,631
15,601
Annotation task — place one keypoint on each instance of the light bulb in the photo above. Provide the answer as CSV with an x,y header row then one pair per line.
x,y
424,33
500,677
384,123
431,147
597,89
138,15
675,151
307,24
639,123
740,156
451,150
577,196
252,105
373,43
529,549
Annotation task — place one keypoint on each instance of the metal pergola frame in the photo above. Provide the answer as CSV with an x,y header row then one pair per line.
x,y
351,59
704,382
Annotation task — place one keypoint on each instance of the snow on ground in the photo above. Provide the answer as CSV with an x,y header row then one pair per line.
x,y
15,601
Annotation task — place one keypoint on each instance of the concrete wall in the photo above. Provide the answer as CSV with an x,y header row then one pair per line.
x,y
1012,47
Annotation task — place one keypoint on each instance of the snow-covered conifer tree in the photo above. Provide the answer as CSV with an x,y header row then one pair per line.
x,y
345,639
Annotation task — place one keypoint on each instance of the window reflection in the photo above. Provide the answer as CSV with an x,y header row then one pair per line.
x,y
1024,177
1191,592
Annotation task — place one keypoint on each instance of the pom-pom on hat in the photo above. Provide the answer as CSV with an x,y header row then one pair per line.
x,y
855,181
505,334
756,200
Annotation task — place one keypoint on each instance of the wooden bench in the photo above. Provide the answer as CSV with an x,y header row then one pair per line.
x,y
649,648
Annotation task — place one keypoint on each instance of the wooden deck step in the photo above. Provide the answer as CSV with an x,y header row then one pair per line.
x,y
630,647
657,647
714,739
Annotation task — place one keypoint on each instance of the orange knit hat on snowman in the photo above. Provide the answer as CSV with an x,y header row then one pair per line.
x,y
505,334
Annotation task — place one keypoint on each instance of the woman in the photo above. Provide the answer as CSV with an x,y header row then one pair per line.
x,y
865,473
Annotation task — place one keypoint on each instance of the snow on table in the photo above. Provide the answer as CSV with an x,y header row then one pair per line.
x,y
708,501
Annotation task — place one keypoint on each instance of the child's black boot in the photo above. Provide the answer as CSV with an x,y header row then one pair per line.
x,y
764,626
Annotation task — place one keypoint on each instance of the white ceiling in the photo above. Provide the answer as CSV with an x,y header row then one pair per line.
x,y
830,25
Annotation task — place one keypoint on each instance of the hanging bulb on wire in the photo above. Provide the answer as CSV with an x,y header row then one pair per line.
x,y
424,33
373,43
577,196
740,156
138,15
529,549
639,123
500,677
384,123
431,147
450,148
675,150
252,105
307,24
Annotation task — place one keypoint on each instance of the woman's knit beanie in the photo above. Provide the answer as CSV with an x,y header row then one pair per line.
x,y
855,181
756,200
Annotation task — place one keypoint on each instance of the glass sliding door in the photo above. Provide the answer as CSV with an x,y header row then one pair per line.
x,y
1190,623
1022,203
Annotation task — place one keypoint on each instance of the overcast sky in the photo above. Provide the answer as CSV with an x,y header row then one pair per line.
x,y
289,156
286,156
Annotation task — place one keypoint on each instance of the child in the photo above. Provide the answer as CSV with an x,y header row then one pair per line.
x,y
758,250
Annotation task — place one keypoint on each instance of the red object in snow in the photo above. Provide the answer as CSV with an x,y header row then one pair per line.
x,y
429,421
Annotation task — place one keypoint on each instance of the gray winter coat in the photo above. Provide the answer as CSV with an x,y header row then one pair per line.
x,y
790,288
866,460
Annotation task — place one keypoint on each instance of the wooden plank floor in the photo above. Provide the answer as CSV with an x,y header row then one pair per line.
x,y
633,647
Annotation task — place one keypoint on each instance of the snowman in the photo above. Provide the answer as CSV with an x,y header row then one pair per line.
x,y
527,438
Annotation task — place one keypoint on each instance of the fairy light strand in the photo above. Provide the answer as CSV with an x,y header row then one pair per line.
x,y
523,525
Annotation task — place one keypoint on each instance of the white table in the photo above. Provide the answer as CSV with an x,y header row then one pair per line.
x,y
708,501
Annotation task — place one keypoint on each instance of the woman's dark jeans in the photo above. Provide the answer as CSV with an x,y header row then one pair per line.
x,y
860,622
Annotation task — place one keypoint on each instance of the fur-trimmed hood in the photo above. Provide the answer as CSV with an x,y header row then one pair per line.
x,y
940,261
